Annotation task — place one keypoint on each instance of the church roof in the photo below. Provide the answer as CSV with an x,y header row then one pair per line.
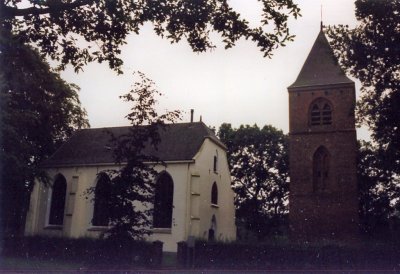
x,y
320,67
179,142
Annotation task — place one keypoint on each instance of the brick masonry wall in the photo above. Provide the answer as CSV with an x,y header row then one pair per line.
x,y
332,212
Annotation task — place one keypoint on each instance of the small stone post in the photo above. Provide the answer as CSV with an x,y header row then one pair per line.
x,y
182,254
157,253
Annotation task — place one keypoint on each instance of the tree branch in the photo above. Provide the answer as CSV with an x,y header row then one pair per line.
x,y
10,12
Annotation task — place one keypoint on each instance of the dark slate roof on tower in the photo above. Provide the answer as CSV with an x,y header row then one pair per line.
x,y
91,146
320,67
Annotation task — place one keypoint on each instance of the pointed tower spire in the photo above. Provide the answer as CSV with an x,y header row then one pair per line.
x,y
321,66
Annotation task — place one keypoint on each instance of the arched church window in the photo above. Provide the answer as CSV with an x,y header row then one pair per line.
x,y
320,113
214,194
320,169
57,204
101,211
163,201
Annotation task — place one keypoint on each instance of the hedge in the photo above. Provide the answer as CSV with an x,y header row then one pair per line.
x,y
84,250
252,255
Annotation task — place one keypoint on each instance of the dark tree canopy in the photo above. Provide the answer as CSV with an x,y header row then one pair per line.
x,y
132,185
258,160
38,111
379,189
55,26
371,53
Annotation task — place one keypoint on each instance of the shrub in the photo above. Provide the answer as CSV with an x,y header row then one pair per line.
x,y
84,250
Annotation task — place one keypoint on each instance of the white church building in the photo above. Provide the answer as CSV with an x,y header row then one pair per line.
x,y
194,185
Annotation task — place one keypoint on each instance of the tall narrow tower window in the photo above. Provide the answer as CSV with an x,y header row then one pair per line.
x,y
320,113
320,169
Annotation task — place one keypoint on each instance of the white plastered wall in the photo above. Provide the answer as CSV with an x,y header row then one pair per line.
x,y
203,169
192,210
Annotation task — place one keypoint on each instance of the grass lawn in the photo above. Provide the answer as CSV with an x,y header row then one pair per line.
x,y
370,253
169,260
18,263
34,264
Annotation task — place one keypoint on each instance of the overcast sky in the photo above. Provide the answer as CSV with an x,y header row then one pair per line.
x,y
237,86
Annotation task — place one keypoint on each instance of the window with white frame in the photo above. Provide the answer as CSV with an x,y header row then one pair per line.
x,y
57,202
163,201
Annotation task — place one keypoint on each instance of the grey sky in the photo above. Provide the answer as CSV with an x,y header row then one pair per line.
x,y
237,86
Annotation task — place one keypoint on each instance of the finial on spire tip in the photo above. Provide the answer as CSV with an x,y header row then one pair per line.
x,y
322,25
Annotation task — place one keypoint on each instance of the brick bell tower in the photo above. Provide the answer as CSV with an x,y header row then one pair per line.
x,y
323,197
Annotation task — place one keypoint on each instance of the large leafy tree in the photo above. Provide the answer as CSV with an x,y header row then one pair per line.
x,y
258,159
379,189
371,53
59,27
38,112
132,185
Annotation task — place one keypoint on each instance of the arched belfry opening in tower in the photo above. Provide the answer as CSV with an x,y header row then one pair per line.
x,y
323,148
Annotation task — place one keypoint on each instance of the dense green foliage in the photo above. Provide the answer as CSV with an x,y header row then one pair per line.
x,y
371,53
258,160
132,184
379,191
39,111
59,27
